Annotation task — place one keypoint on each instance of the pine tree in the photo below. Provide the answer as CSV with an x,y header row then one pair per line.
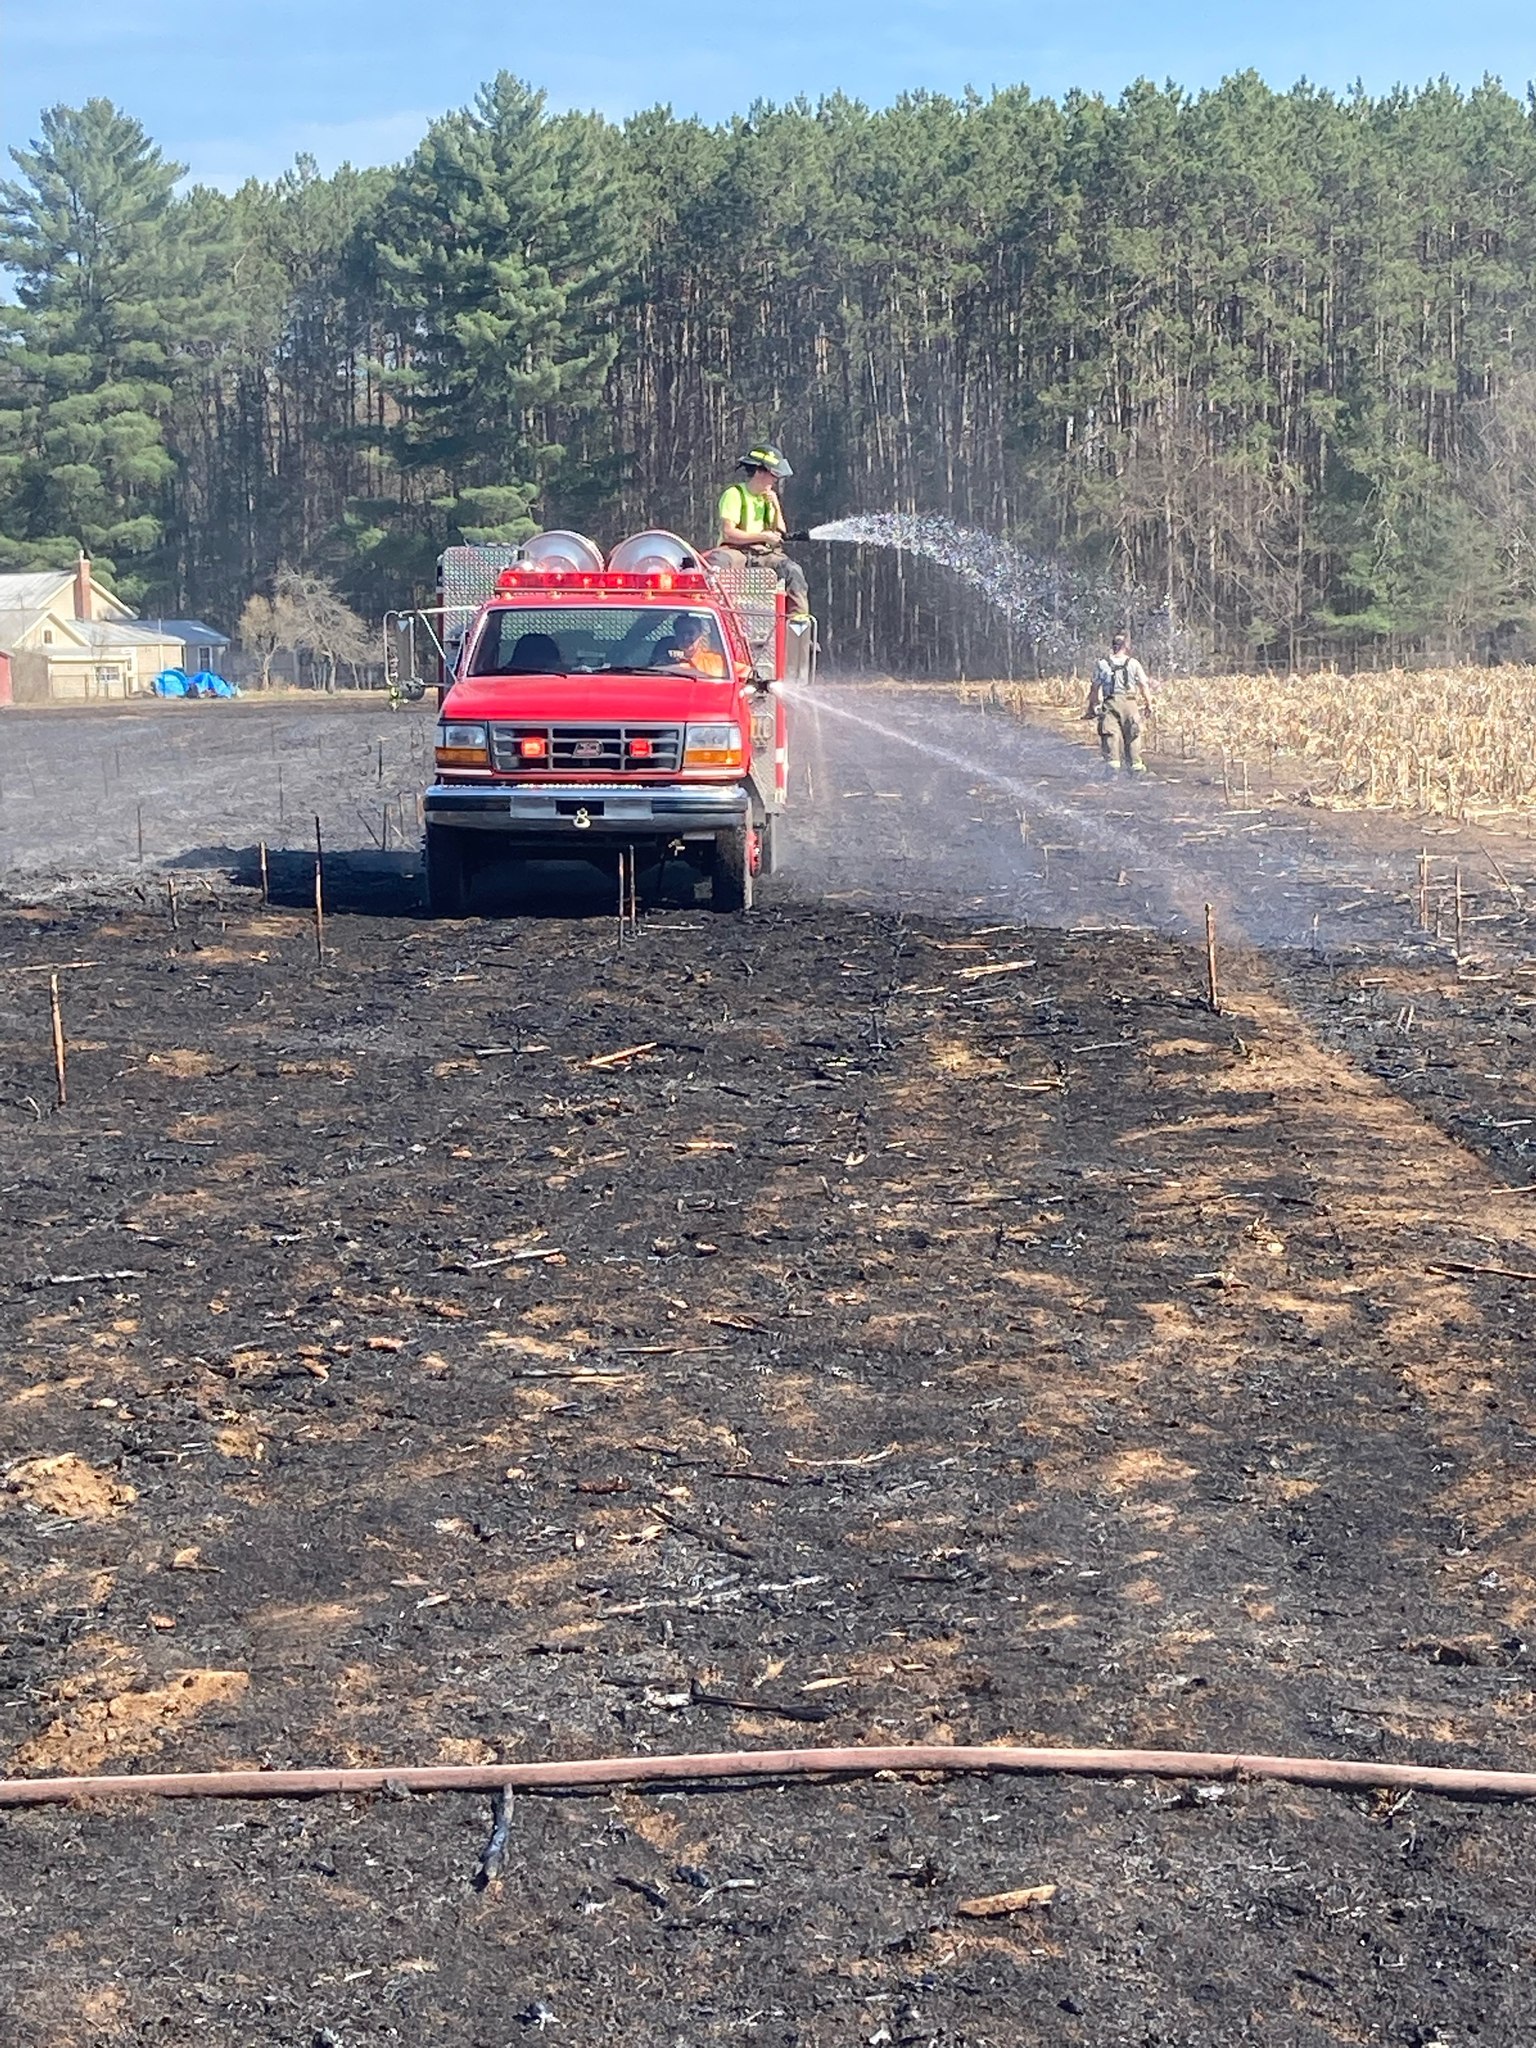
x,y
91,232
495,263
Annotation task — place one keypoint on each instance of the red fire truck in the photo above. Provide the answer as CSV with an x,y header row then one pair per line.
x,y
587,705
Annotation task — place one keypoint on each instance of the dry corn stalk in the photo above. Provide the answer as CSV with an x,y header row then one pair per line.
x,y
1441,741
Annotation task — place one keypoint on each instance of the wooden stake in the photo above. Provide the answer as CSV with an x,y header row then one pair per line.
x,y
1212,992
266,883
1460,912
319,863
170,902
1423,888
319,918
381,760
58,1039
384,828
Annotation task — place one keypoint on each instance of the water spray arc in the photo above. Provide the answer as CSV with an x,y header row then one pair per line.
x,y
1064,613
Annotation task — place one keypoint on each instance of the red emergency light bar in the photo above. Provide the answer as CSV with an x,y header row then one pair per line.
x,y
534,577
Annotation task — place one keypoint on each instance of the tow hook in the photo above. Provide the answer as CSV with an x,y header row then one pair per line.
x,y
583,820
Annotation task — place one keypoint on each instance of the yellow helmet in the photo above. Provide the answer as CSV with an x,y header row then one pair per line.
x,y
766,456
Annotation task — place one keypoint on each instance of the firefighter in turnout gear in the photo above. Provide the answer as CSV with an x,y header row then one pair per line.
x,y
752,520
1118,699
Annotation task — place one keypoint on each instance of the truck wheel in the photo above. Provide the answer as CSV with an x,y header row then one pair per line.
x,y
731,878
768,845
449,872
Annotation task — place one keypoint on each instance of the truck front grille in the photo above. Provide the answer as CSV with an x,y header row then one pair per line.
x,y
587,749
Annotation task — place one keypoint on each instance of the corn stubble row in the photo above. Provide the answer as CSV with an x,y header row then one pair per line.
x,y
1446,742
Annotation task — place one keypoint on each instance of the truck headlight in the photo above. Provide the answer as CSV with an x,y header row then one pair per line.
x,y
462,746
712,746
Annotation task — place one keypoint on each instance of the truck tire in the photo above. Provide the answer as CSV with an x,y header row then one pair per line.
x,y
768,845
730,886
449,872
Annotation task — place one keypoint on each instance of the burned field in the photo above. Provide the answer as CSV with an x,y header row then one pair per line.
x,y
833,1326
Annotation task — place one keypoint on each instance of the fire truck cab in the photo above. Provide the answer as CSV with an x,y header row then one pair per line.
x,y
590,704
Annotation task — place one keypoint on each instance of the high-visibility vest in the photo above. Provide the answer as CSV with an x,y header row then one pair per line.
x,y
749,510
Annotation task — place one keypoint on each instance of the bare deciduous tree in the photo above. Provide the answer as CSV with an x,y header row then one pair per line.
x,y
263,631
304,615
325,625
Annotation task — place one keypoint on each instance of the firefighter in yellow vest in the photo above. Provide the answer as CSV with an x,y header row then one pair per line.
x,y
752,520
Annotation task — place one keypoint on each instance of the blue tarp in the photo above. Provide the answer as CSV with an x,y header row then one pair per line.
x,y
175,682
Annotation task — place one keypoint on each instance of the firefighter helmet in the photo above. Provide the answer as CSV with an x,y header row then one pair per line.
x,y
766,456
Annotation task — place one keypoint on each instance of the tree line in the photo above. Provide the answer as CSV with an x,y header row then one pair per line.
x,y
1267,357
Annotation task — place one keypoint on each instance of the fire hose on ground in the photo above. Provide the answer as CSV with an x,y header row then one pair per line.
x,y
585,1774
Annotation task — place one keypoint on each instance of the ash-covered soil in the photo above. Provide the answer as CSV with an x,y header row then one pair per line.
x,y
841,1324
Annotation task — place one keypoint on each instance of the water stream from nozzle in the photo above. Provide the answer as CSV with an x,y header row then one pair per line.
x,y
1064,613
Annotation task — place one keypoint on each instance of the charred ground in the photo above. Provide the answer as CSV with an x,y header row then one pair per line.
x,y
835,1325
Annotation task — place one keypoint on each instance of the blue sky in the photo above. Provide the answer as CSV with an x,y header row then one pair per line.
x,y
236,89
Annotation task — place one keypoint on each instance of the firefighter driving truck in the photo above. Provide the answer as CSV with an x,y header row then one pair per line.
x,y
589,705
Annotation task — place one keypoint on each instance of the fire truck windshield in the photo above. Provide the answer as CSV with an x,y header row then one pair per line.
x,y
591,640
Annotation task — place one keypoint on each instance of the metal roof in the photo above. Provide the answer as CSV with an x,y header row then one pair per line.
x,y
29,595
103,633
33,590
189,629
86,636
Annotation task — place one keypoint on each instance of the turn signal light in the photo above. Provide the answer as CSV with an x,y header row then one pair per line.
x,y
712,746
461,745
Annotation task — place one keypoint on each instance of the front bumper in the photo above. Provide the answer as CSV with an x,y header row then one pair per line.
x,y
590,810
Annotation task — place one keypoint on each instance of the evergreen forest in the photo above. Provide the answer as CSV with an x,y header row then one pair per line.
x,y
1267,356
